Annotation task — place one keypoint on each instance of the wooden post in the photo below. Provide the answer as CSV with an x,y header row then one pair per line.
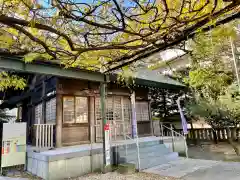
x,y
150,117
59,119
91,119
123,119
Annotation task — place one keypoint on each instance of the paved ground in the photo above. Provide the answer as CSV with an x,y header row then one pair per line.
x,y
196,169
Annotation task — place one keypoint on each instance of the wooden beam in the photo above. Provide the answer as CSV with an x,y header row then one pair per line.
x,y
92,119
49,69
59,119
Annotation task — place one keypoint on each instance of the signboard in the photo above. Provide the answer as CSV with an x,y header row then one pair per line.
x,y
13,144
107,144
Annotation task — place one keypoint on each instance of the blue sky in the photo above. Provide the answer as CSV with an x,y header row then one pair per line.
x,y
46,3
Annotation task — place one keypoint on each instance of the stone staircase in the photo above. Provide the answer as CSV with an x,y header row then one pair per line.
x,y
152,153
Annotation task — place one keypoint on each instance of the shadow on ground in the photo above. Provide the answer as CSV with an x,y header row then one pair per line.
x,y
209,151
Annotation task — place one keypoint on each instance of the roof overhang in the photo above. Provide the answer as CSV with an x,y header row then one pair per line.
x,y
16,64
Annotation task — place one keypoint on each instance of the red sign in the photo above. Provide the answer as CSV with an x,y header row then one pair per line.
x,y
106,127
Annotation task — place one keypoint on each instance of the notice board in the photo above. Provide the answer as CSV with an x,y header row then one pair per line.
x,y
13,150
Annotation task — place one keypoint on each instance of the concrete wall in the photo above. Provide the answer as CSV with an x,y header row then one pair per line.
x,y
66,165
178,145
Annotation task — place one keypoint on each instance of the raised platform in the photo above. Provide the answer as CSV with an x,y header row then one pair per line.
x,y
78,160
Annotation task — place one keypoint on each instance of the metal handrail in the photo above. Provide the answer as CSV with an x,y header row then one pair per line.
x,y
179,135
173,131
125,136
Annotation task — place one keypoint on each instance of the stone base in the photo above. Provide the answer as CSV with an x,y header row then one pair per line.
x,y
127,168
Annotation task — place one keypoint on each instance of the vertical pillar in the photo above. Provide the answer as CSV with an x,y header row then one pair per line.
x,y
134,118
150,114
43,120
106,129
123,120
92,120
59,120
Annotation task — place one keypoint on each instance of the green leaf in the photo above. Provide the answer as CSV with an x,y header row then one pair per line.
x,y
31,57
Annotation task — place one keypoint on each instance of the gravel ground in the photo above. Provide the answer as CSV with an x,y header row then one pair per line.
x,y
107,176
117,176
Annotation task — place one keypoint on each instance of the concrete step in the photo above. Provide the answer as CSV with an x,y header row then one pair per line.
x,y
133,157
155,161
151,151
161,148
142,144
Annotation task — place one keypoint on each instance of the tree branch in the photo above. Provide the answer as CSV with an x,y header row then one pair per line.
x,y
149,52
45,46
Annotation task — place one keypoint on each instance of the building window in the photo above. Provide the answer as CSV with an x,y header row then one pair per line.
x,y
51,111
116,107
81,109
38,114
75,109
142,111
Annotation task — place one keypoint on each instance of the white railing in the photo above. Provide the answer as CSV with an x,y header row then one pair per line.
x,y
44,135
173,134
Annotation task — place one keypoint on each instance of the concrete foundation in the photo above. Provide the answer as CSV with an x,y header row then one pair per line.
x,y
74,161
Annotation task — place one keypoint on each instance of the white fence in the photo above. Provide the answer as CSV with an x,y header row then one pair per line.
x,y
44,135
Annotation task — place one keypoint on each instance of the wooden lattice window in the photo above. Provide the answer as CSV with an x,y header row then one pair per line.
x,y
51,111
117,108
109,108
142,111
81,109
38,114
68,109
75,109
127,109
98,109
